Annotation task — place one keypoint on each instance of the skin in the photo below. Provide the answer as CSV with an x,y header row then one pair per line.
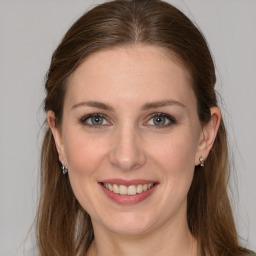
x,y
130,145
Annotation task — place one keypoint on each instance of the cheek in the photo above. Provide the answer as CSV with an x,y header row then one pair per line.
x,y
176,152
84,156
83,152
175,157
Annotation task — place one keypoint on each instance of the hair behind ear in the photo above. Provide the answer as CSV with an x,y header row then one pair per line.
x,y
208,202
59,207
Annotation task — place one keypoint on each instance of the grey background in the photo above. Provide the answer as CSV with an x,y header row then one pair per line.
x,y
30,31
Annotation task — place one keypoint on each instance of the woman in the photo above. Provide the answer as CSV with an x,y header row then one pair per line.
x,y
134,160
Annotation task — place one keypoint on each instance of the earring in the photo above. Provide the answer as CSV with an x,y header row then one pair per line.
x,y
64,169
201,159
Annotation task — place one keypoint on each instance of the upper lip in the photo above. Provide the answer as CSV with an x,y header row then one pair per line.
x,y
127,182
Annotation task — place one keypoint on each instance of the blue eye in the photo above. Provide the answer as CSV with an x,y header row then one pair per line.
x,y
161,120
94,120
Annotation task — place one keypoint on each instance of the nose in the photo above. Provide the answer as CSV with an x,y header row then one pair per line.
x,y
127,151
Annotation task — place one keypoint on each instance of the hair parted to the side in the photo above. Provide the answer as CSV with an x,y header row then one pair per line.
x,y
63,227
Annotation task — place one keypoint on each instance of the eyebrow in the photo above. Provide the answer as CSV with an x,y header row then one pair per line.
x,y
93,104
162,103
150,105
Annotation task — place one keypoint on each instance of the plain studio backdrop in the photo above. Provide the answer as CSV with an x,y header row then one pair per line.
x,y
31,30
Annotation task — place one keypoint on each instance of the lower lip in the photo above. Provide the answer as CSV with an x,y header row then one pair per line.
x,y
128,199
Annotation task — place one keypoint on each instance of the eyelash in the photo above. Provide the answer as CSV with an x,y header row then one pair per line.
x,y
171,120
84,120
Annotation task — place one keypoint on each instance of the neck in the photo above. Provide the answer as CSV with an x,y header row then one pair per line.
x,y
167,240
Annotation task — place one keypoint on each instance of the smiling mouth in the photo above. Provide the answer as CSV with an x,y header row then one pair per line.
x,y
128,190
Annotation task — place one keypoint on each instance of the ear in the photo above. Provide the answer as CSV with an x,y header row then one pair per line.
x,y
57,136
208,134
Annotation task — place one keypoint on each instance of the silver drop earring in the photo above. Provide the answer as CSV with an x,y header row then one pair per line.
x,y
64,169
201,159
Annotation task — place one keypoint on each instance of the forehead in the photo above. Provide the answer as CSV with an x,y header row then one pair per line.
x,y
138,73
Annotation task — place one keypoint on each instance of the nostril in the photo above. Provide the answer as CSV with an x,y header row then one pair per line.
x,y
126,160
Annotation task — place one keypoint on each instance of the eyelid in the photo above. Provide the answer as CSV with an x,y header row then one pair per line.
x,y
172,120
86,117
160,114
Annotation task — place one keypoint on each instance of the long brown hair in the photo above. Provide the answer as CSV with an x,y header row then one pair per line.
x,y
64,228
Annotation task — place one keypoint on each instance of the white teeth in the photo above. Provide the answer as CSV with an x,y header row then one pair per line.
x,y
115,189
139,189
110,187
128,190
122,190
132,190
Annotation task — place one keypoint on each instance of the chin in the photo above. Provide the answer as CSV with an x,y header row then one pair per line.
x,y
129,223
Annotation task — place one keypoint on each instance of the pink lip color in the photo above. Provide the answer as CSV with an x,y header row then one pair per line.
x,y
128,199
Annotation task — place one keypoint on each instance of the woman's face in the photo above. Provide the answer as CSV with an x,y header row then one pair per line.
x,y
130,125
